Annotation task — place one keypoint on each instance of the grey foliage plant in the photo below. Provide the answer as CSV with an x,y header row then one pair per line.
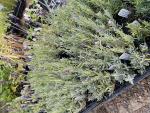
x,y
73,56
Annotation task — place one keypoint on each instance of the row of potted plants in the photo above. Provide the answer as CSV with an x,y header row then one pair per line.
x,y
84,47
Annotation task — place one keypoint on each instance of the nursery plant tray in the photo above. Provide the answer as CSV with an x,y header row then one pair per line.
x,y
116,93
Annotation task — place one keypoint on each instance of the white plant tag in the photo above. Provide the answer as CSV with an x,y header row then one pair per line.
x,y
124,13
135,23
124,56
1,7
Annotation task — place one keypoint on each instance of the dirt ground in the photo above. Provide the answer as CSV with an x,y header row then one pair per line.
x,y
135,100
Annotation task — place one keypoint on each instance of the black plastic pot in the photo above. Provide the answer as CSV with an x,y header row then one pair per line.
x,y
17,16
117,92
147,40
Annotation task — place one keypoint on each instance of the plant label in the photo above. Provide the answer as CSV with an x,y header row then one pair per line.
x,y
124,56
124,13
1,7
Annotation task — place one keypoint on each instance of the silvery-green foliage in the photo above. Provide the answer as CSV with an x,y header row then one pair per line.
x,y
73,55
142,6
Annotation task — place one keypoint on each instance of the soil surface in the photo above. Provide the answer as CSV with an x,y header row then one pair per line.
x,y
135,100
